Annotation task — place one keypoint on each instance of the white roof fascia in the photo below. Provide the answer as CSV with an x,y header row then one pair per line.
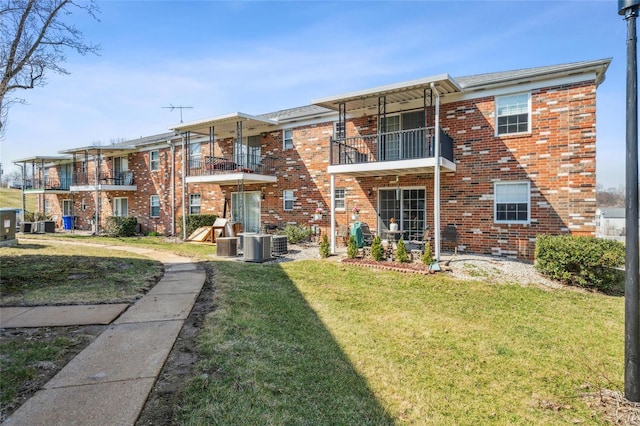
x,y
238,116
330,101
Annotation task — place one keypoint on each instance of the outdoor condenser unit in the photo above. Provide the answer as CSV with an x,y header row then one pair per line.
x,y
279,245
257,248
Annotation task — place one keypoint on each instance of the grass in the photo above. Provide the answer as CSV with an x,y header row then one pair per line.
x,y
13,198
315,342
43,272
19,362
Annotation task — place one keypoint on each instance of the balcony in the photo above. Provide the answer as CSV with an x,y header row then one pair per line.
x,y
230,170
38,186
121,181
401,152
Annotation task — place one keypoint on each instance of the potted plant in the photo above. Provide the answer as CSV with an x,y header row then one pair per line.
x,y
354,213
318,214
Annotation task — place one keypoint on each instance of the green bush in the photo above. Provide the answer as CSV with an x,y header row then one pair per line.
x,y
427,256
196,221
581,261
120,226
377,252
352,248
325,248
401,252
295,233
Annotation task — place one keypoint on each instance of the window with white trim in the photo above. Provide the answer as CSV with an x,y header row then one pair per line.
x,y
339,130
154,206
287,197
513,114
67,207
287,139
339,198
154,160
512,202
194,203
121,206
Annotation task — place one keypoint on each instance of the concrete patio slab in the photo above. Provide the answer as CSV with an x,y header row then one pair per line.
x,y
122,352
58,316
113,403
160,307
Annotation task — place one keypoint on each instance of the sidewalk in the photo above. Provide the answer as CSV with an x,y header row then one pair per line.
x,y
109,381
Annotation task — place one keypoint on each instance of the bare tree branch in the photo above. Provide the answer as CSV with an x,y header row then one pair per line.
x,y
34,40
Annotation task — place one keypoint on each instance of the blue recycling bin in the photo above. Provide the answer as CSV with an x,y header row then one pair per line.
x,y
67,222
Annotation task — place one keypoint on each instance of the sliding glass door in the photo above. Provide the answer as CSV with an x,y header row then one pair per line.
x,y
407,207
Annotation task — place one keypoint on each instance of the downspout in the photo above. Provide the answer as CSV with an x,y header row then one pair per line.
x,y
184,188
436,176
173,189
332,180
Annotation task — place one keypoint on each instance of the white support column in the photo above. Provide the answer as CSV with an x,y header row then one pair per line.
x,y
332,186
436,178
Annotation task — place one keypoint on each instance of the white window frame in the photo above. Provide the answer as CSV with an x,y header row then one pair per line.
x,y
510,103
340,201
67,207
154,203
120,207
335,130
287,142
287,197
154,163
193,204
511,199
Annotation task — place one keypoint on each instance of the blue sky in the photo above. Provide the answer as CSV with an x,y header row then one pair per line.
x,y
263,56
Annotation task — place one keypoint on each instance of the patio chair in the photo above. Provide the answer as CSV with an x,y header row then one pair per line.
x,y
366,234
342,234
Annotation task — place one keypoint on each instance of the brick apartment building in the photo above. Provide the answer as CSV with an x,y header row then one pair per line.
x,y
502,157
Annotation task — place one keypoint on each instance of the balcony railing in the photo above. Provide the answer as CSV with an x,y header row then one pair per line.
x,y
121,178
50,184
207,166
390,146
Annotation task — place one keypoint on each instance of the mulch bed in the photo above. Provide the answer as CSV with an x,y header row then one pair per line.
x,y
413,268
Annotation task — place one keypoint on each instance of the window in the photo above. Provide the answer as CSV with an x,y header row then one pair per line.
x,y
287,137
511,202
154,206
154,160
339,130
194,204
121,207
287,196
512,114
247,154
195,155
67,207
339,199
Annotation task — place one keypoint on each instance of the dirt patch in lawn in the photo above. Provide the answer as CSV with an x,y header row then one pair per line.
x,y
79,336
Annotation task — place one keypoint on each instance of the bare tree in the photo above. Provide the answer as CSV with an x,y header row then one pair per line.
x,y
34,39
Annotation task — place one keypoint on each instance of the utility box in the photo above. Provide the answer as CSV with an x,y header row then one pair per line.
x,y
8,227
227,246
257,248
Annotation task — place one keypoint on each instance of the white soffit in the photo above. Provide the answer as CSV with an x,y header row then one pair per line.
x,y
224,124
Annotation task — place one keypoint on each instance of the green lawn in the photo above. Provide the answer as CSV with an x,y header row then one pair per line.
x,y
13,198
316,342
43,272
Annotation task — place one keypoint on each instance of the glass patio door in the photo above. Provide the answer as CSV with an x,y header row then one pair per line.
x,y
245,209
247,154
407,206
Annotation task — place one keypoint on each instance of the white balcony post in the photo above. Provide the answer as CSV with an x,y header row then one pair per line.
x,y
436,177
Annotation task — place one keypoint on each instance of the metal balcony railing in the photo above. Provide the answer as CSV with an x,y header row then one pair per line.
x,y
121,178
209,165
390,146
50,184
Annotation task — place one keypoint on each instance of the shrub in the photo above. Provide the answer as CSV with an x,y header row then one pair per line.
x,y
120,226
325,248
401,252
153,234
352,248
377,252
580,261
196,221
295,233
427,256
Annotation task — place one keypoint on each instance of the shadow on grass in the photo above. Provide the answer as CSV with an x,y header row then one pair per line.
x,y
267,358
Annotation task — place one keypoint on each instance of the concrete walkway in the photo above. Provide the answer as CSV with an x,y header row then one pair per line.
x,y
109,382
